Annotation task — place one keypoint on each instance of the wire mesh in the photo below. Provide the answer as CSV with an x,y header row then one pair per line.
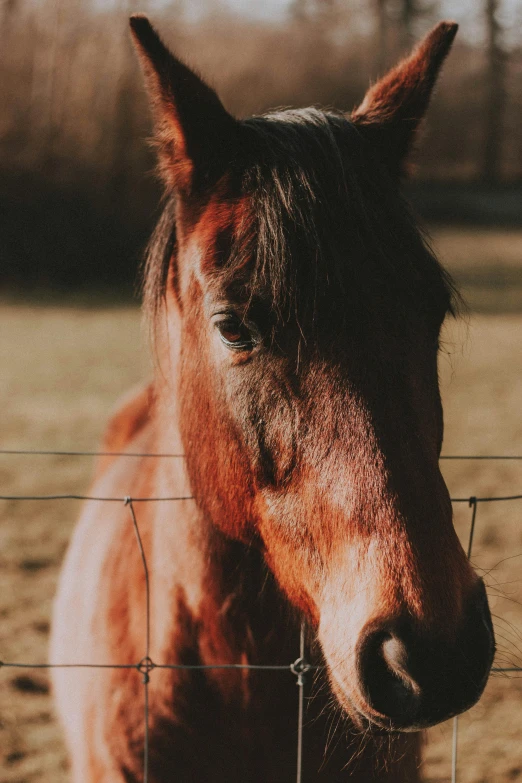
x,y
300,667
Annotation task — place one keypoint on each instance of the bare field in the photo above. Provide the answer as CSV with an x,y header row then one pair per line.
x,y
62,371
486,263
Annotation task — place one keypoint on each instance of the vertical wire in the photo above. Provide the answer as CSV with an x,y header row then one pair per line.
x,y
146,737
128,502
300,709
454,749
302,641
473,506
145,666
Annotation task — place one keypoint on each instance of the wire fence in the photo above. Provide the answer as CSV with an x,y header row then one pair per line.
x,y
300,667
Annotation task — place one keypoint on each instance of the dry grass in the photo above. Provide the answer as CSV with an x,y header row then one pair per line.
x,y
486,263
63,369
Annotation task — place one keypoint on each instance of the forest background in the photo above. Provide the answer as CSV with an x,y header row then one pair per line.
x,y
78,196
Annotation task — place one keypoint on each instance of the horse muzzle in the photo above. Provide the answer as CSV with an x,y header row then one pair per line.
x,y
407,679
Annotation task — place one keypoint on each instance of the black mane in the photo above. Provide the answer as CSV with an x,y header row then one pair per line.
x,y
330,230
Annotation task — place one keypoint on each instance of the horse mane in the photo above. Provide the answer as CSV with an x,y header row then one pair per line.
x,y
327,225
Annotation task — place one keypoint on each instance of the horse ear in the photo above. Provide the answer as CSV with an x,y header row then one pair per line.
x,y
393,108
193,130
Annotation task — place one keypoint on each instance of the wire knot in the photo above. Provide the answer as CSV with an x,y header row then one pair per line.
x,y
127,499
145,666
299,667
472,501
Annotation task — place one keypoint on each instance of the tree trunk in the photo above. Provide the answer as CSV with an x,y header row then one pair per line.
x,y
408,13
495,95
124,112
381,47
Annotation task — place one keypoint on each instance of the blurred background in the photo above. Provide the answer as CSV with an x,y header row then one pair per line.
x,y
78,200
77,196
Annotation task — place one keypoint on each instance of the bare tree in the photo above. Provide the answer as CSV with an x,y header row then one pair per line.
x,y
299,10
381,48
409,10
495,93
10,8
409,13
124,109
305,10
396,22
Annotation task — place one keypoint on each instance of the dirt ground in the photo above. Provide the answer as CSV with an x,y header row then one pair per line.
x,y
62,370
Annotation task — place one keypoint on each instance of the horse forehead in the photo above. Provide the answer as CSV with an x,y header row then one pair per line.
x,y
227,222
222,215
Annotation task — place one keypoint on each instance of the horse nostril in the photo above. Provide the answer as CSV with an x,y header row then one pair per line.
x,y
410,677
386,679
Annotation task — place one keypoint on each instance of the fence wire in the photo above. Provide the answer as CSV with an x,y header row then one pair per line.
x,y
145,666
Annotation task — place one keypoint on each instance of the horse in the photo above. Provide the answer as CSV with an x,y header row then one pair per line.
x,y
296,309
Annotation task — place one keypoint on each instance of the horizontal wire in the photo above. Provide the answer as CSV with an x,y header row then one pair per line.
x,y
152,665
198,666
191,497
46,452
91,497
471,500
18,665
254,666
480,456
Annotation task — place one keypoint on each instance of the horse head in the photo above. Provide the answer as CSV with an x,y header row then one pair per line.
x,y
302,310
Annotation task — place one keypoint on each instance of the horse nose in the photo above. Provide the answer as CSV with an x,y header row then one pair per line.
x,y
387,682
411,679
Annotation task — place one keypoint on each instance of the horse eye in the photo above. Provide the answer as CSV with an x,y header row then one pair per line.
x,y
235,334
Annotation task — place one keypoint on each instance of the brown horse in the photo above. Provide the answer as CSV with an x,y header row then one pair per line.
x,y
297,312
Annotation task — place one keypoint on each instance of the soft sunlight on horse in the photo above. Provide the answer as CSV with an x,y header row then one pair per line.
x,y
296,310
